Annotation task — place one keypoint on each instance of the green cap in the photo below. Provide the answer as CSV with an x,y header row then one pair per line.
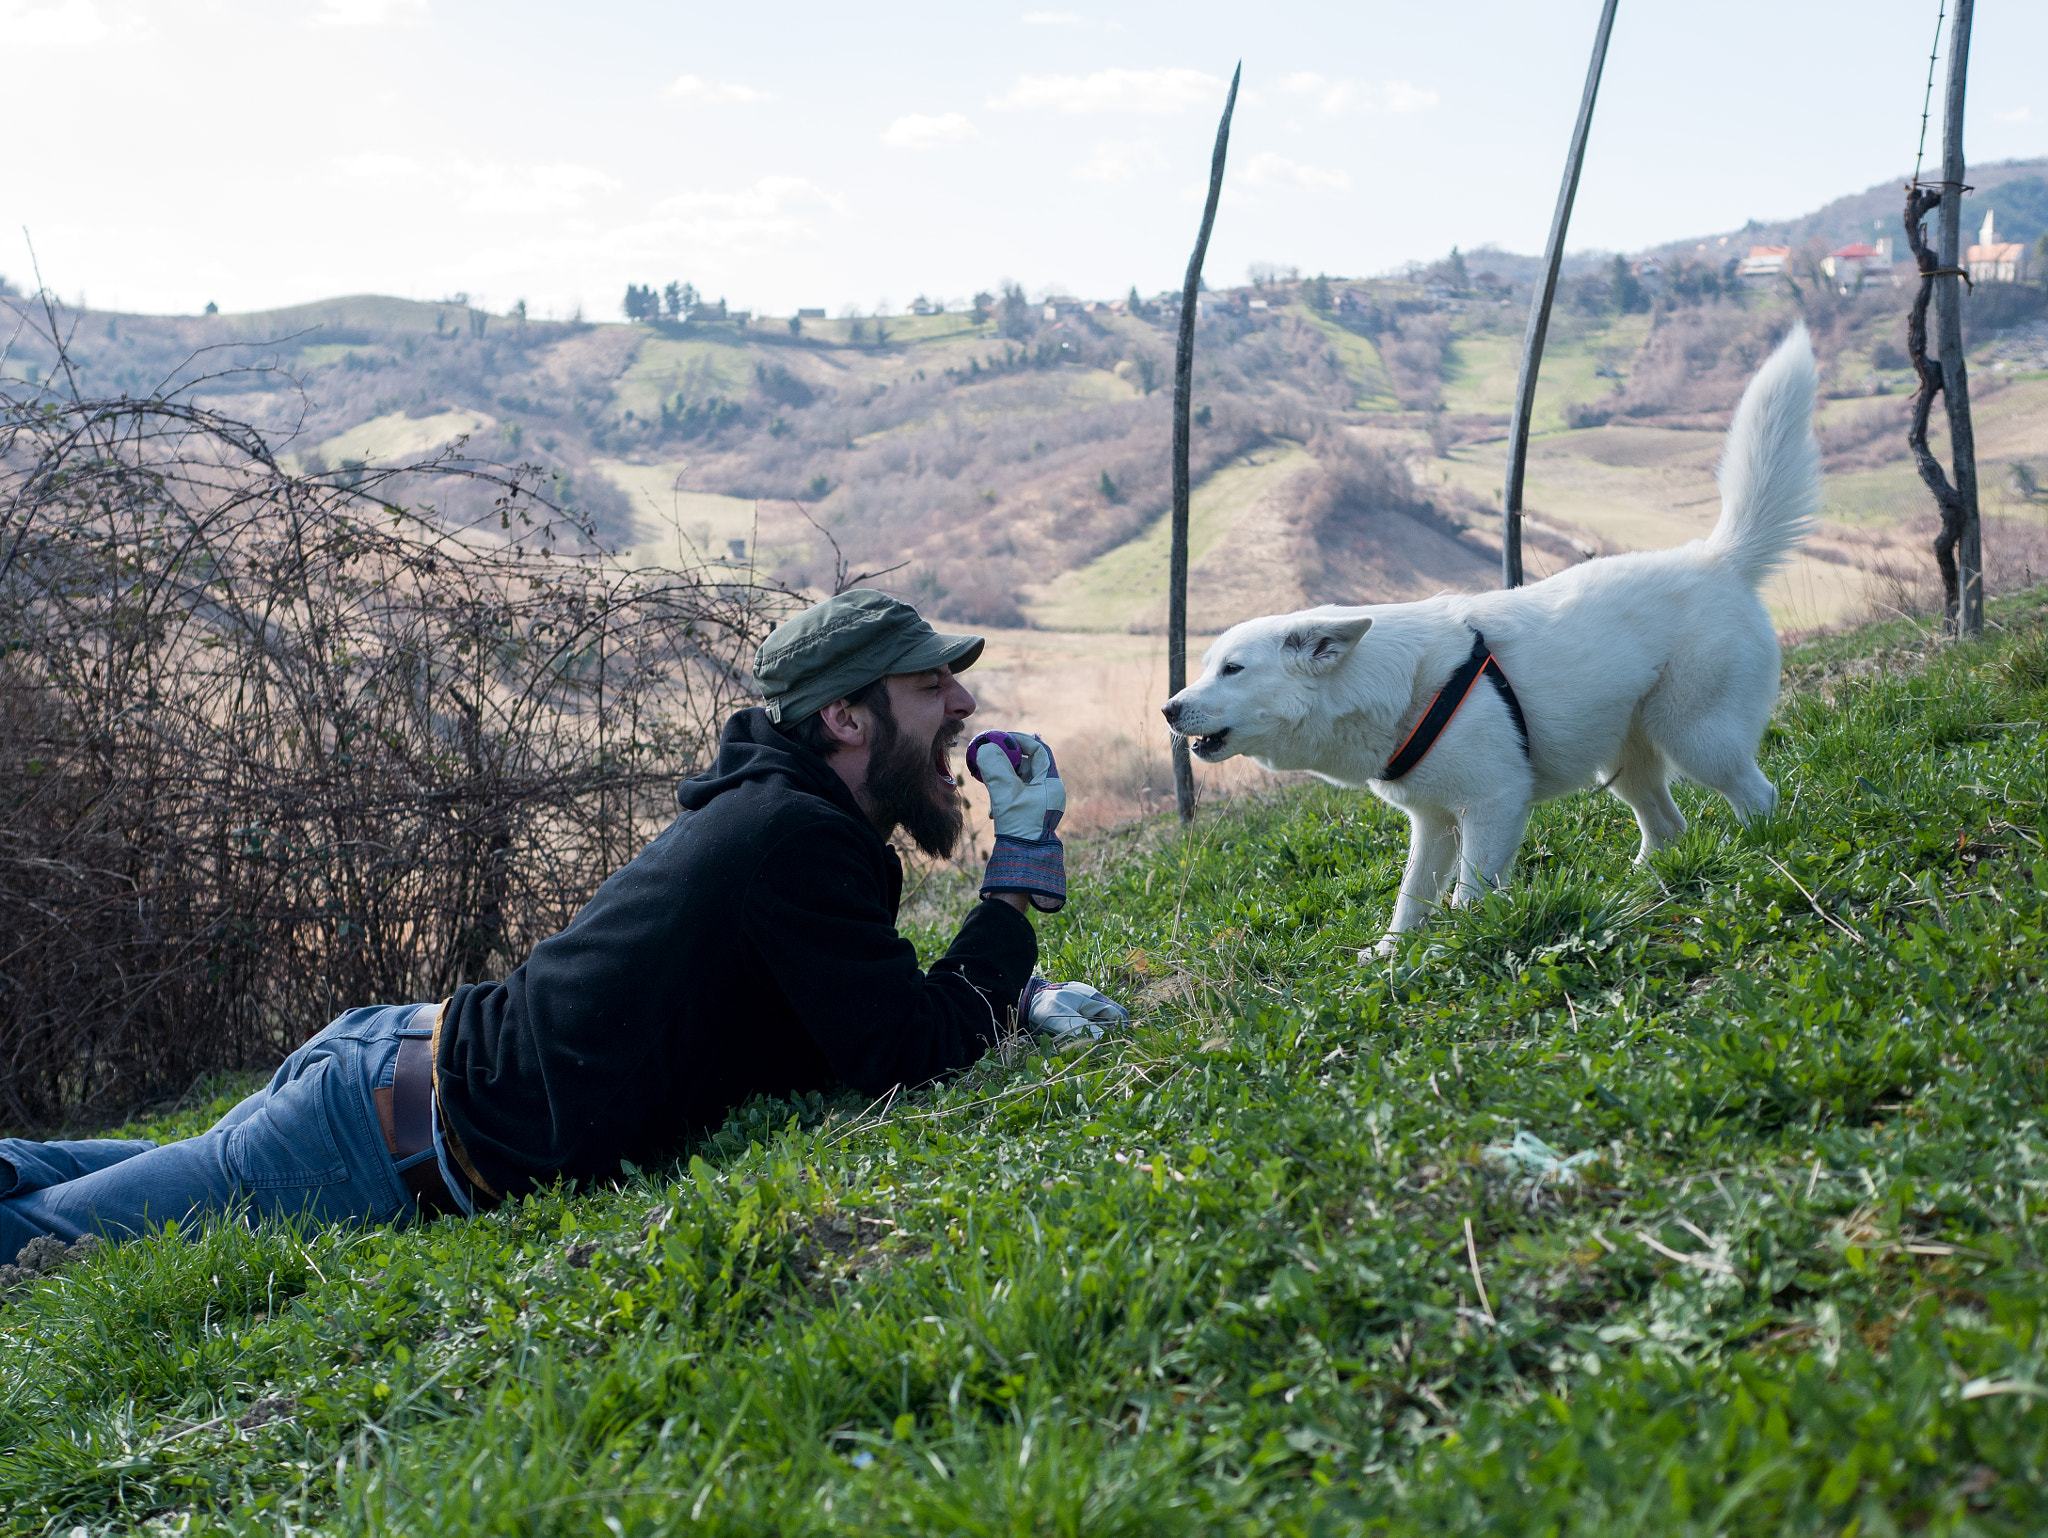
x,y
851,639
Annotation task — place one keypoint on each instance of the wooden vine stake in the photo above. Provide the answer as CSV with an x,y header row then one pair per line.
x,y
1544,292
1183,392
1958,549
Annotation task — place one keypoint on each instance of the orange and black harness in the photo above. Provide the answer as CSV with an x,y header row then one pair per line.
x,y
1446,704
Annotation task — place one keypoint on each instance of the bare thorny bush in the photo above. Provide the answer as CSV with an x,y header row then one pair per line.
x,y
276,744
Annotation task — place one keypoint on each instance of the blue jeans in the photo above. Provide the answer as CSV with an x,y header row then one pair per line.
x,y
307,1145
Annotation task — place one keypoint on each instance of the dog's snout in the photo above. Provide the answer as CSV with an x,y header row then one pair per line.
x,y
1171,710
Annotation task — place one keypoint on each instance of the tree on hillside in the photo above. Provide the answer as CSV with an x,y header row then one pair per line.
x,y
1629,296
1692,282
641,302
1013,316
984,306
1315,293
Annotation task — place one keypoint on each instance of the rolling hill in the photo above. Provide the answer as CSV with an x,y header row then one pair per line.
x,y
1009,469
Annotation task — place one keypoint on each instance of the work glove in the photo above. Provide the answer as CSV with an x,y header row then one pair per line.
x,y
1069,1011
1025,799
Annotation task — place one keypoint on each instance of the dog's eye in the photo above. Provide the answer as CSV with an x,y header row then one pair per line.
x,y
1232,667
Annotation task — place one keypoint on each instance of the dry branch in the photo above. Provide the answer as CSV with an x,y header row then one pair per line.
x,y
274,744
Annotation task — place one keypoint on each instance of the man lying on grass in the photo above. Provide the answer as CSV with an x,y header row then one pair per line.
x,y
750,949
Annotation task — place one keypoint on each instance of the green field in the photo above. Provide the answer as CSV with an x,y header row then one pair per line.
x,y
1252,1266
1119,587
1361,361
396,436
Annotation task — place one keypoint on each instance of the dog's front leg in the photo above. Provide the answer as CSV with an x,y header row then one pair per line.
x,y
1432,850
1488,836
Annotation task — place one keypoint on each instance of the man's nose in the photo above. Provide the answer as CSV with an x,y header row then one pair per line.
x,y
959,703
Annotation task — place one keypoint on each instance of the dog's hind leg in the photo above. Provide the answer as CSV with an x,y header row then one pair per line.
x,y
1432,851
1643,782
1488,836
1722,756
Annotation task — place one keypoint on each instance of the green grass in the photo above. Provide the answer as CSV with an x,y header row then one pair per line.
x,y
1361,360
1125,583
1486,358
1223,1273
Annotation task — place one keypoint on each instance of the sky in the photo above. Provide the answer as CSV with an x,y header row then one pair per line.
x,y
175,152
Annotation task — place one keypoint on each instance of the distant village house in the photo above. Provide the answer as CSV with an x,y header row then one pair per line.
x,y
1857,264
1992,260
1764,266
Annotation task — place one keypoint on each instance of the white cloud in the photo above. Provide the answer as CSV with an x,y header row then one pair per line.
x,y
1271,170
67,23
372,166
542,189
1115,90
1053,19
370,13
919,132
692,88
487,187
1403,97
1121,160
2022,115
771,198
1340,96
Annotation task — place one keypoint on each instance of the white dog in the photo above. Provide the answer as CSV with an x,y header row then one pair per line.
x,y
1618,672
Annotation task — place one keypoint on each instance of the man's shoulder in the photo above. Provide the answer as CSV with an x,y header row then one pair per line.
x,y
769,811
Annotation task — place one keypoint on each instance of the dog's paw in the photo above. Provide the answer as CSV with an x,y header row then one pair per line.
x,y
1387,946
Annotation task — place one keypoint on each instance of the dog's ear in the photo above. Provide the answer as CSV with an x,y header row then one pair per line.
x,y
1318,646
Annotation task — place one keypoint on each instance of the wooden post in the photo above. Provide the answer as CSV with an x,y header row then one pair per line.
x,y
1958,549
1183,392
1544,291
1966,615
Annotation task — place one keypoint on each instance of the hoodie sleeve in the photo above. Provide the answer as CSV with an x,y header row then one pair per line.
x,y
820,921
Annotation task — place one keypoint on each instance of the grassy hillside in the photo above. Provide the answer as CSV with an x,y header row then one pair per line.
x,y
1874,212
1020,478
1123,587
1261,1264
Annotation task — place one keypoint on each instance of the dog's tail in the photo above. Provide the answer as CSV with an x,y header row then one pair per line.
x,y
1770,468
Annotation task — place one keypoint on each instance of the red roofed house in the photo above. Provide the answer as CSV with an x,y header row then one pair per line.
x,y
1764,265
1857,263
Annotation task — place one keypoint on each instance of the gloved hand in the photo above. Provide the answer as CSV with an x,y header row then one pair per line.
x,y
1070,1010
1025,799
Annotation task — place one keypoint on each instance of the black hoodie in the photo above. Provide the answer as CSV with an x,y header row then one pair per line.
x,y
750,948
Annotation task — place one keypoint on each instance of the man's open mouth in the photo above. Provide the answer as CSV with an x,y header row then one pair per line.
x,y
942,762
1209,745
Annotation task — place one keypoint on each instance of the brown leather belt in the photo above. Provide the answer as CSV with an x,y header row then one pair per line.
x,y
406,1113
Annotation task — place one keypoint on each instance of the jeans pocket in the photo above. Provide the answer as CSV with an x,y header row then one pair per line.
x,y
289,1139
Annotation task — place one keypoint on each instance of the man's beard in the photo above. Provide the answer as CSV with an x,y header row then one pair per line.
x,y
903,788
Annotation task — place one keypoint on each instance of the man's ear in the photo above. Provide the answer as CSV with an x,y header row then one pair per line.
x,y
845,723
1319,645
